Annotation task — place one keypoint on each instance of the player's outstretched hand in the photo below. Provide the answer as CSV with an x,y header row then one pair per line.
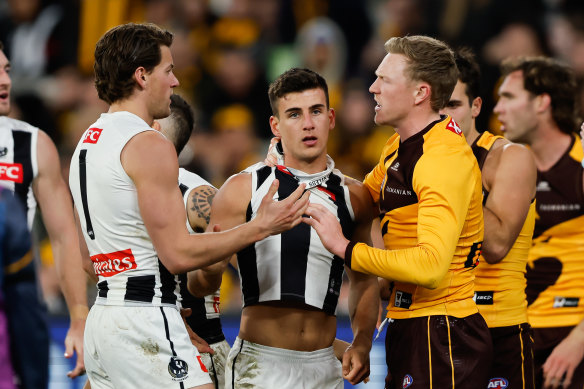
x,y
328,228
280,216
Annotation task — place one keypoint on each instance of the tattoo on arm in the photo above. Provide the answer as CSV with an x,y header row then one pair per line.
x,y
201,202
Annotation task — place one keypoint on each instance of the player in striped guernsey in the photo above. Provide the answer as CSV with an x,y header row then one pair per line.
x,y
537,106
123,178
31,169
290,282
508,177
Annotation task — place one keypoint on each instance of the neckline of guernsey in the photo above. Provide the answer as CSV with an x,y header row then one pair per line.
x,y
311,180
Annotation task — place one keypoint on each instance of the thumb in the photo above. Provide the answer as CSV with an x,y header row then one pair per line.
x,y
346,364
68,348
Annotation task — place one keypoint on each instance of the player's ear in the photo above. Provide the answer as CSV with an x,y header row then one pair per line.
x,y
274,126
475,108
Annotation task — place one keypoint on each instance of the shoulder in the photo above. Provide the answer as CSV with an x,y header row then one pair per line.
x,y
15,124
149,152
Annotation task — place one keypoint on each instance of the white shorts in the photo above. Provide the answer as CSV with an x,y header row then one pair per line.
x,y
216,363
252,365
140,347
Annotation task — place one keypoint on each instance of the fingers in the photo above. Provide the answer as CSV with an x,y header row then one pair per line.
x,y
78,370
272,190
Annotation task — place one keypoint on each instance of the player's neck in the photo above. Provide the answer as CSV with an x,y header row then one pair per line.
x,y
471,135
548,147
415,123
132,106
310,166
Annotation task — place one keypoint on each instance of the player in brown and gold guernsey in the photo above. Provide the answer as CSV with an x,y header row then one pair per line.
x,y
428,188
508,176
537,106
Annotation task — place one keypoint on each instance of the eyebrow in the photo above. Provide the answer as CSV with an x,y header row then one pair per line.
x,y
293,109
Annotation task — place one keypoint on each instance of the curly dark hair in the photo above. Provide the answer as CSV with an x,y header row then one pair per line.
x,y
295,80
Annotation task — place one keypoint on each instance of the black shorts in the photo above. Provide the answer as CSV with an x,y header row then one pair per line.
x,y
438,352
512,357
544,342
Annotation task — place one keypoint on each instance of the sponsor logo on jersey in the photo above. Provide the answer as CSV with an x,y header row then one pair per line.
x,y
543,186
395,167
408,381
107,265
452,126
92,135
403,299
11,172
498,383
178,369
566,302
3,151
483,298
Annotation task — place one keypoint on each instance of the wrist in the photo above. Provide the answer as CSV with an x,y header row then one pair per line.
x,y
78,312
348,252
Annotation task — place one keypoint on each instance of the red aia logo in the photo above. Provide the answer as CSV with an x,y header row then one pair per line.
x,y
452,126
92,135
107,265
11,172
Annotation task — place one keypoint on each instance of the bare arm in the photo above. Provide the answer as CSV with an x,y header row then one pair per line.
x,y
228,211
150,160
56,206
199,207
363,294
512,189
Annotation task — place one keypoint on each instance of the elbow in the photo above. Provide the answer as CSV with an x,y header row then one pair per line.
x,y
430,282
494,253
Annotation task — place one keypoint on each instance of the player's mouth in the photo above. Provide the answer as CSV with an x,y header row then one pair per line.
x,y
4,96
309,140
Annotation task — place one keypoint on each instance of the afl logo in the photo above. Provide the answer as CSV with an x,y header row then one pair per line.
x,y
498,383
408,381
178,369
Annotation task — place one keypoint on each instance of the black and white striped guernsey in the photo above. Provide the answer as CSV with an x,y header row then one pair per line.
x,y
294,266
105,198
18,161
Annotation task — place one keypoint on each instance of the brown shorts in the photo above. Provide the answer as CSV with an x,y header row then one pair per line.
x,y
544,342
438,352
512,357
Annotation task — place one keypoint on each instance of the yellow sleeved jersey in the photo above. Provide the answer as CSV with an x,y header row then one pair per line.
x,y
429,192
555,271
500,287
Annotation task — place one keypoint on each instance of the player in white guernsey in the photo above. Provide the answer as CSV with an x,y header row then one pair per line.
x,y
123,178
290,282
30,168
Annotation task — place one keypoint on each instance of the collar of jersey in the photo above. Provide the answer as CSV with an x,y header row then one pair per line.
x,y
311,180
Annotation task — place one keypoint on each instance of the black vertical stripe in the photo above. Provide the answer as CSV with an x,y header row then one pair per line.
x,y
262,175
331,300
233,365
168,285
216,380
140,288
83,187
22,155
183,188
167,332
248,268
102,289
295,245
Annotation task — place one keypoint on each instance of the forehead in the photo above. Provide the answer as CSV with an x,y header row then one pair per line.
x,y
307,98
459,92
3,60
513,82
392,64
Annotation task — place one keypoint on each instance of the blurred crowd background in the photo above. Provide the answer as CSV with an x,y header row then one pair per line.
x,y
226,52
